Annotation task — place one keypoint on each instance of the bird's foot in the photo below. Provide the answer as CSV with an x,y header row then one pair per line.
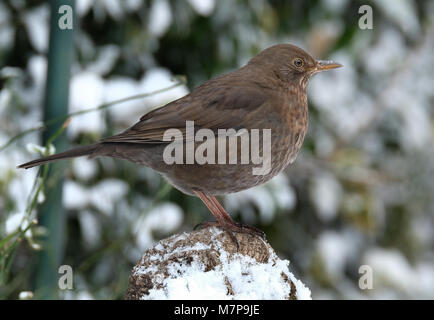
x,y
224,221
245,228
233,227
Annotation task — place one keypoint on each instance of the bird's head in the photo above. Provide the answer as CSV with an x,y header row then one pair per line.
x,y
291,64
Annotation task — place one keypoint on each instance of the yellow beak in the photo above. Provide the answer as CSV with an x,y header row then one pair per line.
x,y
323,65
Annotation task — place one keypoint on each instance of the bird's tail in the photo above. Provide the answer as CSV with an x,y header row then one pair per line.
x,y
76,152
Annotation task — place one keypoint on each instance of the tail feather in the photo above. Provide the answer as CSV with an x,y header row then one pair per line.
x,y
76,152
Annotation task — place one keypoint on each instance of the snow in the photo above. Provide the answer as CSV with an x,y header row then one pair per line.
x,y
83,6
14,222
339,100
413,104
87,91
17,221
6,31
402,12
40,150
10,72
5,98
160,18
203,7
417,124
386,55
114,8
74,195
348,109
37,67
248,278
278,192
335,6
20,186
84,168
165,218
392,270
132,5
119,88
155,79
36,22
325,143
326,193
90,228
335,250
103,195
106,59
25,295
84,295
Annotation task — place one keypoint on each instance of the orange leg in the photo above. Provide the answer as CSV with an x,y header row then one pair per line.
x,y
223,218
212,204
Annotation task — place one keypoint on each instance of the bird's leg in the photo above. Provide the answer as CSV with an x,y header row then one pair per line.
x,y
219,215
223,218
239,226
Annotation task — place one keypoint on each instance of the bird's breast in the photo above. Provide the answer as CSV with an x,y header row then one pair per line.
x,y
290,137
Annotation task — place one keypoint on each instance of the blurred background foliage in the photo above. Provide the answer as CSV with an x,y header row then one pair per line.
x,y
360,192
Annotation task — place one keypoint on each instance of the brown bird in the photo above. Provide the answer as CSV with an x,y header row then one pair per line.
x,y
269,92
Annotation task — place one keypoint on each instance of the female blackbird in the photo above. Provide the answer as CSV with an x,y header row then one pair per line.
x,y
267,93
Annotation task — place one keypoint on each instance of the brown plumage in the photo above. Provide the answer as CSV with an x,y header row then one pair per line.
x,y
267,93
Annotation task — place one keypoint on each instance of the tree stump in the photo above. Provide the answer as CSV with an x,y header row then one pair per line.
x,y
205,264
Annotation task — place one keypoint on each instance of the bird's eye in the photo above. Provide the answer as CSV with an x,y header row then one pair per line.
x,y
298,62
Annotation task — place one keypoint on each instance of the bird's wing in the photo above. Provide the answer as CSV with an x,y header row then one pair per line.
x,y
209,107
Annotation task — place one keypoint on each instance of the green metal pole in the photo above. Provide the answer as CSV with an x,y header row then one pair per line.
x,y
51,214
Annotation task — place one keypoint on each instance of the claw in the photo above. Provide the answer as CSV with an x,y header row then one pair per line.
x,y
224,220
206,224
230,228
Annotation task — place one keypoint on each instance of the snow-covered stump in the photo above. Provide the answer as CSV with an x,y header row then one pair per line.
x,y
205,264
